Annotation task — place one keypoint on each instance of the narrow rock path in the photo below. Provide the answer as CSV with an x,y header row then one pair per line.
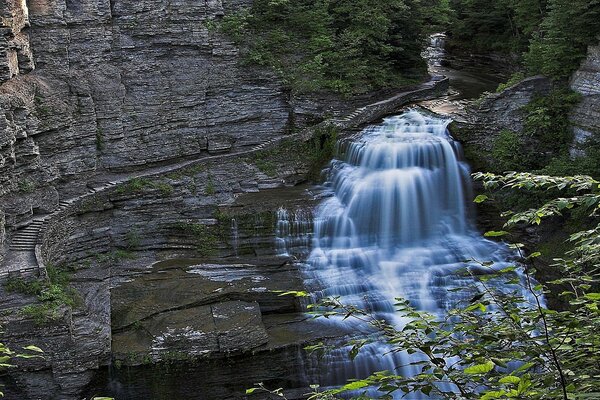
x,y
24,249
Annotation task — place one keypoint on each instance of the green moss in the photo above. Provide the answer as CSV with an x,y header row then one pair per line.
x,y
314,153
52,295
99,139
189,171
26,185
137,185
513,80
133,239
115,256
205,240
24,286
209,189
266,166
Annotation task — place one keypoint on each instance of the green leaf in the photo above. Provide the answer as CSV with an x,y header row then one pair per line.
x,y
510,379
355,385
525,367
495,233
250,391
497,394
593,296
480,199
33,348
480,368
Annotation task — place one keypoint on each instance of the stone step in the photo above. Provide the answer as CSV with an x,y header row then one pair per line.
x,y
23,244
31,228
26,236
27,233
23,247
26,247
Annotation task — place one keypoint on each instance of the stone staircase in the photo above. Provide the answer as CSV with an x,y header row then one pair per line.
x,y
22,258
26,238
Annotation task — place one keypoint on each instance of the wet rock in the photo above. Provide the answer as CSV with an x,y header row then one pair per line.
x,y
586,115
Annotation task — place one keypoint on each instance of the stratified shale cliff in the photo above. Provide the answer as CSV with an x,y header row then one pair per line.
x,y
117,86
586,116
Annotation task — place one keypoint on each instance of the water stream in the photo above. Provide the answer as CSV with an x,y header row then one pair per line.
x,y
396,223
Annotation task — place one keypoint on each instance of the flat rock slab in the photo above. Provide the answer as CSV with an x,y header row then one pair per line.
x,y
233,326
187,283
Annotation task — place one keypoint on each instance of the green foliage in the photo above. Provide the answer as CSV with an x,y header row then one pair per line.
x,y
507,151
7,357
206,241
209,190
513,80
133,239
544,143
52,295
32,287
138,185
314,153
26,185
321,149
115,256
569,27
347,47
553,35
438,15
499,26
265,165
547,123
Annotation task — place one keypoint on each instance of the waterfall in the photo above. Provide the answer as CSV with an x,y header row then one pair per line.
x,y
435,51
293,232
395,224
235,237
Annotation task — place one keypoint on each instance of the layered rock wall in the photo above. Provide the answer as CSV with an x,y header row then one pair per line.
x,y
586,115
119,86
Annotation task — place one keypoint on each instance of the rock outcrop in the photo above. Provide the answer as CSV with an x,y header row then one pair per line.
x,y
15,52
482,123
586,115
119,86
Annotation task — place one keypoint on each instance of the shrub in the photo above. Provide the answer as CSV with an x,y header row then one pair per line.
x,y
52,295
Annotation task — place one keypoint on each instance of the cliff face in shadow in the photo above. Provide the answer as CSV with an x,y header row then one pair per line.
x,y
118,86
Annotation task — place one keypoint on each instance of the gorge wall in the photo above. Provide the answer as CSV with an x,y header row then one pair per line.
x,y
117,86
586,115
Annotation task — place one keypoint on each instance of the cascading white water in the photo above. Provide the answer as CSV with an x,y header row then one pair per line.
x,y
293,232
396,225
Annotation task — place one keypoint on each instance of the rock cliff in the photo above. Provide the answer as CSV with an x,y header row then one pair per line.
x,y
586,115
117,86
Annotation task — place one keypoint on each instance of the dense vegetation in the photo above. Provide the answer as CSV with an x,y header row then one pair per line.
x,y
343,46
551,35
545,141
